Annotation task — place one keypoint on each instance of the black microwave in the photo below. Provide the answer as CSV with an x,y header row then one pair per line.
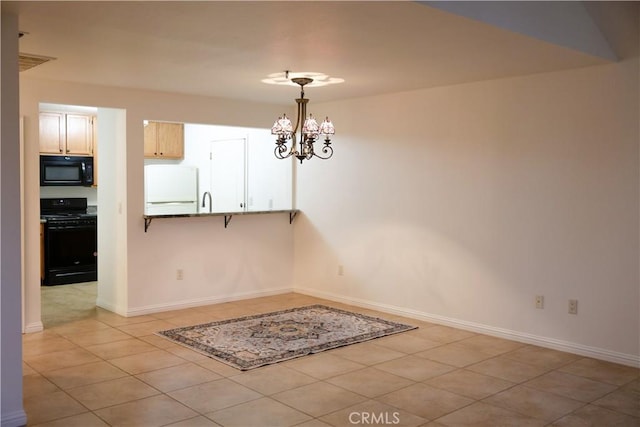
x,y
66,170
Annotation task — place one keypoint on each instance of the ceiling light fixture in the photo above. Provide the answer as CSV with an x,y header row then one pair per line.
x,y
302,145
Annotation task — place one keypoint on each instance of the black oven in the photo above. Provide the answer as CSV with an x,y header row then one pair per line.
x,y
70,241
66,171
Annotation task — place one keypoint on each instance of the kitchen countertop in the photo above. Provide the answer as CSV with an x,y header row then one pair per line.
x,y
201,214
227,215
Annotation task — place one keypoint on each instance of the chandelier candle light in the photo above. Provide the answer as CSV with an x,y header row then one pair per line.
x,y
302,147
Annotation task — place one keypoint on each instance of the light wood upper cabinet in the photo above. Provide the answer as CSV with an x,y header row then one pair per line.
x,y
52,133
79,134
66,134
164,140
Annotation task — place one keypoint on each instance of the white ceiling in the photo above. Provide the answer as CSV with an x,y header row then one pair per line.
x,y
225,49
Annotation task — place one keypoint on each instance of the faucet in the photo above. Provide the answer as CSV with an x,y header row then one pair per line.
x,y
204,196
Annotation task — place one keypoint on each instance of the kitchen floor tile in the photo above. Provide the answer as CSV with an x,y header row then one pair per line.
x,y
595,416
571,386
367,353
115,320
35,384
314,423
190,319
55,405
483,415
177,377
199,421
372,412
99,336
112,392
633,386
415,368
272,379
443,334
149,412
625,401
455,355
602,371
87,419
507,369
217,367
157,341
60,359
534,403
39,336
114,350
370,382
318,399
470,384
258,413
27,370
79,326
146,328
186,353
226,311
425,401
88,373
407,344
323,365
540,356
214,395
164,315
490,345
147,361
46,345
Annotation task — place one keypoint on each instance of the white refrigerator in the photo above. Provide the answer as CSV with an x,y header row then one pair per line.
x,y
170,189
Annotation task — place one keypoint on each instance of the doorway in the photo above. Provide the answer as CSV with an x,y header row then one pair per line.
x,y
65,303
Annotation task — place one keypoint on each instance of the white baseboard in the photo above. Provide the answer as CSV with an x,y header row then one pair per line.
x,y
566,346
14,419
157,308
108,306
33,327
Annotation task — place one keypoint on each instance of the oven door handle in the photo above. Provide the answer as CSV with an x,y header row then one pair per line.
x,y
71,227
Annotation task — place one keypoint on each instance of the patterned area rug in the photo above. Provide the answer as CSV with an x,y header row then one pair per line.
x,y
252,341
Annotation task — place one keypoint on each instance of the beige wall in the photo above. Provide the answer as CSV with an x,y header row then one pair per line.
x,y
461,204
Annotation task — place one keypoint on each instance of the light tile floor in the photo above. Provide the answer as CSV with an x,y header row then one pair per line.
x,y
110,370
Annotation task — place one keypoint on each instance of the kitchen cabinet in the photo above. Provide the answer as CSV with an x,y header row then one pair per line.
x,y
163,140
66,134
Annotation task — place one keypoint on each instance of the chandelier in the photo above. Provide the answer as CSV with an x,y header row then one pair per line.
x,y
302,144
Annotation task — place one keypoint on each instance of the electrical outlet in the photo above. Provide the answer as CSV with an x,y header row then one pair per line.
x,y
341,270
179,274
573,306
539,301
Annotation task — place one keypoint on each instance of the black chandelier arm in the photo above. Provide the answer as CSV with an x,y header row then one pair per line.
x,y
327,150
281,150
